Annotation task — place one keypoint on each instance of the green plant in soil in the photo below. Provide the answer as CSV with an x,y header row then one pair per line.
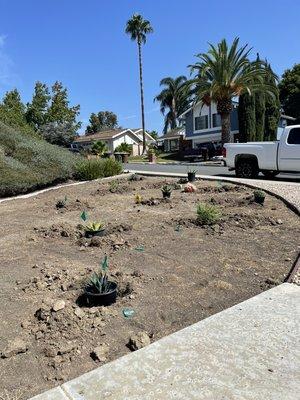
x,y
259,196
138,199
207,214
191,171
113,186
61,203
99,283
94,226
97,168
166,190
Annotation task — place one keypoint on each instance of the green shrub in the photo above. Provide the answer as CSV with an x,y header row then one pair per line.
x,y
124,148
28,162
259,196
207,214
95,168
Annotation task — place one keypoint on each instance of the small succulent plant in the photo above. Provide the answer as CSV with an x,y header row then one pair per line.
x,y
166,190
61,203
113,186
259,196
138,199
99,283
94,226
207,214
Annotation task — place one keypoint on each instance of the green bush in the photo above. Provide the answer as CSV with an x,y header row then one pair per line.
x,y
259,196
207,214
95,168
124,148
28,162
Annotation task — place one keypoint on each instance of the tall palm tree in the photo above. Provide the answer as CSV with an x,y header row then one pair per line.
x,y
224,73
175,96
138,28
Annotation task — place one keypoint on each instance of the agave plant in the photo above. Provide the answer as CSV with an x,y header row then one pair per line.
x,y
61,203
99,282
166,190
138,199
94,226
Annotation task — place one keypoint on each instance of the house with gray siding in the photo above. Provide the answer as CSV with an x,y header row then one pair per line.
x,y
203,124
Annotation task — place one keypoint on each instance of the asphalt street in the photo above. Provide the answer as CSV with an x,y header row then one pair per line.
x,y
215,170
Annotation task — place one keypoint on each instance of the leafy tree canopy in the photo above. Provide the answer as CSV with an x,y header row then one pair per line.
x,y
99,148
37,109
60,133
59,111
153,134
12,111
101,121
289,89
174,98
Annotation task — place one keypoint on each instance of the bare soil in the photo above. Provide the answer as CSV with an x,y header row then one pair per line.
x,y
170,271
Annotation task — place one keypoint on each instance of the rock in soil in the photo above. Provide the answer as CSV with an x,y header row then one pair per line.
x,y
100,352
138,341
59,305
15,347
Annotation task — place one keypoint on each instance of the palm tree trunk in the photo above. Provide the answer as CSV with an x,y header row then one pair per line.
x,y
226,128
142,96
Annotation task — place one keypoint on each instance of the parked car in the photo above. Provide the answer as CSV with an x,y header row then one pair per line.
x,y
270,158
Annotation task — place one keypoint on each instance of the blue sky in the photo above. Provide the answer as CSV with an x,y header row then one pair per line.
x,y
83,44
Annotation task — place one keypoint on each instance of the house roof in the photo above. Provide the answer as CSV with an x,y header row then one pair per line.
x,y
174,133
106,135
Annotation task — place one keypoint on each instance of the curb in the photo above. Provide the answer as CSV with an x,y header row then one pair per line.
x,y
294,271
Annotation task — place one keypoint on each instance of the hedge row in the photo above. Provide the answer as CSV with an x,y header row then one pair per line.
x,y
28,163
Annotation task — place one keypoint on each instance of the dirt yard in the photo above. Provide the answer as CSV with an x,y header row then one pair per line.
x,y
169,270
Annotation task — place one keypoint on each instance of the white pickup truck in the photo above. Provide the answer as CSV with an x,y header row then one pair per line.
x,y
270,158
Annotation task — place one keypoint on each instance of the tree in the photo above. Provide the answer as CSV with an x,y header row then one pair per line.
x,y
226,72
246,114
153,134
289,89
138,28
59,111
260,109
37,109
12,112
175,97
101,121
99,148
124,148
59,133
272,109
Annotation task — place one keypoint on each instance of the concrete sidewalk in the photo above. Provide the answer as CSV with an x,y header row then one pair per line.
x,y
247,352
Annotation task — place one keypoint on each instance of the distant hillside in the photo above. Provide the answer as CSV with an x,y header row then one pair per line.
x,y
28,163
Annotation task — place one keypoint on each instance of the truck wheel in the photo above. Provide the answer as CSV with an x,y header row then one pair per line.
x,y
246,169
270,174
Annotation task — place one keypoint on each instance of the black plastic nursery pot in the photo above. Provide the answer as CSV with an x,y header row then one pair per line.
x,y
102,299
259,200
191,176
89,234
166,195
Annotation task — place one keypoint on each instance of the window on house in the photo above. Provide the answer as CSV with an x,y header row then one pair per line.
x,y
294,136
216,120
201,122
